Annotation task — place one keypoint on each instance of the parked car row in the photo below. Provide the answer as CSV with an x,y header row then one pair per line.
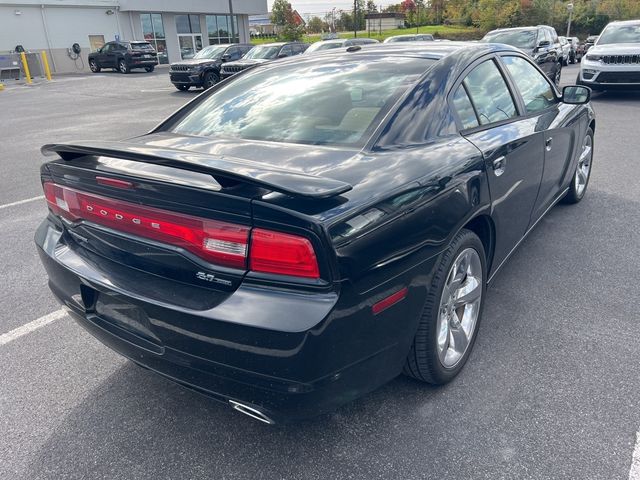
x,y
609,60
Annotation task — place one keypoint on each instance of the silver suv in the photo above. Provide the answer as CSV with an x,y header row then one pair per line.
x,y
614,61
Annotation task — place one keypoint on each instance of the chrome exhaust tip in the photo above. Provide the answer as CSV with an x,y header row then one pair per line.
x,y
250,411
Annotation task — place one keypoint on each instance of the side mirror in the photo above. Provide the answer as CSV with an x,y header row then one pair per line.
x,y
99,50
226,57
576,95
283,55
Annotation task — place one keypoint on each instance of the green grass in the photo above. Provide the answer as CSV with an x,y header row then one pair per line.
x,y
439,31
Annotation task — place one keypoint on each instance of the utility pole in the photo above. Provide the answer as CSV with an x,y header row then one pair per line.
x,y
570,8
417,17
355,18
233,29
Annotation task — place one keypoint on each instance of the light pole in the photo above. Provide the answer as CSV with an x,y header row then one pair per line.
x,y
233,33
355,18
570,8
333,19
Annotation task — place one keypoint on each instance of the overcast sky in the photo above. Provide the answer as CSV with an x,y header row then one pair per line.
x,y
316,7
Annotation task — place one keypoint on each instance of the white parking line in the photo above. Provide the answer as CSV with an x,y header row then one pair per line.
x,y
634,472
31,326
20,202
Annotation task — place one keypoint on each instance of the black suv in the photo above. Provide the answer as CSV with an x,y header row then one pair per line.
x,y
203,70
263,53
124,56
541,43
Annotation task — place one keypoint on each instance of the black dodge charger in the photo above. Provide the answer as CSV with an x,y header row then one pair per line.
x,y
303,233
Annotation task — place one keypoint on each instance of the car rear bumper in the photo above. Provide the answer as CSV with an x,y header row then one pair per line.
x,y
134,63
286,375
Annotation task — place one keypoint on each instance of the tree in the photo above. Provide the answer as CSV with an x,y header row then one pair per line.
x,y
281,12
316,25
282,16
492,14
371,6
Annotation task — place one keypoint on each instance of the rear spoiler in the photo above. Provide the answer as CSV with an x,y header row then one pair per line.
x,y
279,180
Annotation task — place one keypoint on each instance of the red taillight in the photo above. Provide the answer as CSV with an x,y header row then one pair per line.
x,y
221,243
218,242
283,254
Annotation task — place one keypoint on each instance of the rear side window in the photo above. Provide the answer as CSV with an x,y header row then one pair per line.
x,y
464,108
533,86
489,93
286,50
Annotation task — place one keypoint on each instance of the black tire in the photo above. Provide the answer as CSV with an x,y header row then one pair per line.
x,y
123,67
558,74
422,362
94,66
209,80
182,88
150,69
575,194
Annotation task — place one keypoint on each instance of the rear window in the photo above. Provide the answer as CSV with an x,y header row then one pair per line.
x,y
338,102
141,46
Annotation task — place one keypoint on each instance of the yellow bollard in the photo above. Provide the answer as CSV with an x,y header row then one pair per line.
x,y
45,62
1,86
25,66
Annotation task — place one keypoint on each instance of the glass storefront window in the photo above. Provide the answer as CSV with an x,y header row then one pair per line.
x,y
189,37
219,29
158,27
182,24
153,32
195,23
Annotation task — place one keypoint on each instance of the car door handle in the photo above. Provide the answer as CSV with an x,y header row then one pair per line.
x,y
548,143
499,165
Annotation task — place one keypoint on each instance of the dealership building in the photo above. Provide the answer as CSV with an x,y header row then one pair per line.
x,y
177,29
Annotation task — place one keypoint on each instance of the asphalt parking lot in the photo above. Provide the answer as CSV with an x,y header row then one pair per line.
x,y
552,388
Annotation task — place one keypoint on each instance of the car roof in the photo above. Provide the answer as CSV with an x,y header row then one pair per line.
x,y
336,40
515,28
625,22
230,45
428,50
274,44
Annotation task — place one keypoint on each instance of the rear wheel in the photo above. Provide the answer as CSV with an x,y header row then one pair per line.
x,y
150,68
452,311
94,66
122,66
182,88
581,176
210,79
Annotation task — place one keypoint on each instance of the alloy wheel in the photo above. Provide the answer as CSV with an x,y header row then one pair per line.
x,y
584,165
459,307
